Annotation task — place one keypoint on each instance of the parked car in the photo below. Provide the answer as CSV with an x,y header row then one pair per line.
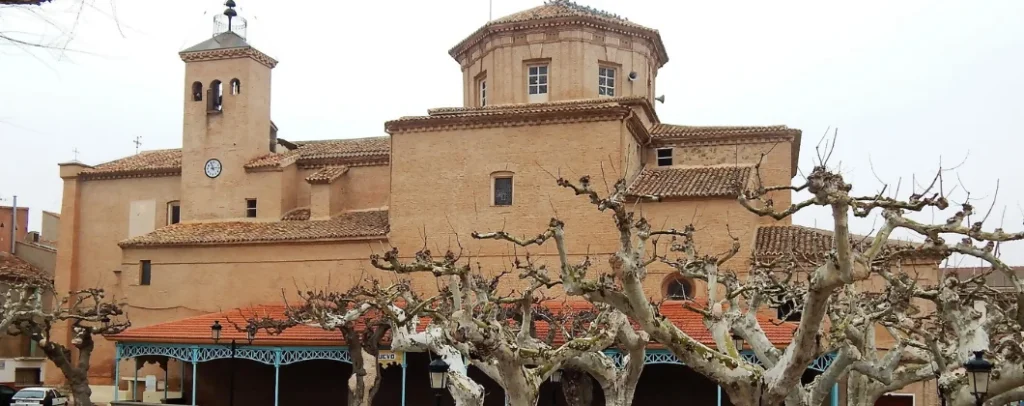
x,y
39,397
6,393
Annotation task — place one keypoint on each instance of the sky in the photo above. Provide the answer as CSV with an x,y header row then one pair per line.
x,y
908,85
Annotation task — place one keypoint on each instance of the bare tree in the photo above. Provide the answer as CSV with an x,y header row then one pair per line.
x,y
86,312
363,315
472,317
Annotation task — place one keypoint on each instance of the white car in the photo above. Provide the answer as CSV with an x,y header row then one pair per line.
x,y
38,397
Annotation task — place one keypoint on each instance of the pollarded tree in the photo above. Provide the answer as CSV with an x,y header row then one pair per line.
x,y
732,310
363,315
88,313
474,318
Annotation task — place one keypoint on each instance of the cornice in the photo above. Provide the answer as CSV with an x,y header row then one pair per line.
x,y
229,53
507,118
155,173
648,34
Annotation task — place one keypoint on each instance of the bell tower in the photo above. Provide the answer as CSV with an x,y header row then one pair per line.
x,y
226,121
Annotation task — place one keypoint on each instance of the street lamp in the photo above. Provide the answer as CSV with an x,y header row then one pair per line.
x,y
556,377
738,342
438,377
978,370
250,335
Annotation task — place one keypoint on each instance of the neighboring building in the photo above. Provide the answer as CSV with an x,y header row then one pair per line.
x,y
22,364
238,213
7,221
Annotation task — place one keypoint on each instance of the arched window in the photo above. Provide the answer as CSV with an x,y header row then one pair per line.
x,y
197,91
676,287
215,96
236,86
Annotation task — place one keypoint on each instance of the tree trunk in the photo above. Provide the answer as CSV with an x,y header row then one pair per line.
x,y
365,379
80,391
578,388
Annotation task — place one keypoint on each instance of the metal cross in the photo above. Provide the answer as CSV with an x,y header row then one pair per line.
x,y
76,153
138,142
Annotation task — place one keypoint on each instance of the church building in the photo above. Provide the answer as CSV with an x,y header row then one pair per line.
x,y
188,236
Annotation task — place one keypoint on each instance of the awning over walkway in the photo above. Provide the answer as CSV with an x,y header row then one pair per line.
x,y
196,330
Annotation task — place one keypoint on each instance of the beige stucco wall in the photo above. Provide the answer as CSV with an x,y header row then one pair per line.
x,y
573,55
50,232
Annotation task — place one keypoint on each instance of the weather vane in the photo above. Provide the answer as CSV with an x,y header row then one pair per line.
x,y
138,143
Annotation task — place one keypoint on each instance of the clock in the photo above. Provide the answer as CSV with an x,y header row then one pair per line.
x,y
213,168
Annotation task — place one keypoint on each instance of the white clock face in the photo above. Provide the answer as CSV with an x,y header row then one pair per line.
x,y
213,168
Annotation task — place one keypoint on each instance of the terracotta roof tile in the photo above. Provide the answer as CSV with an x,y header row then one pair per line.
x,y
780,240
12,267
672,131
165,162
196,330
346,226
299,214
515,113
327,174
723,181
555,12
563,8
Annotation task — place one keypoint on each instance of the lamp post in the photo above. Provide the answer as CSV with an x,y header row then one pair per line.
x,y
738,342
556,378
250,335
978,370
438,377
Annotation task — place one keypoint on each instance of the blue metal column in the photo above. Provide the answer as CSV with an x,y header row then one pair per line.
x,y
117,370
195,362
835,394
135,384
277,373
719,396
403,377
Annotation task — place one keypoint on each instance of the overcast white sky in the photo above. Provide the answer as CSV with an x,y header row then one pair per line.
x,y
905,82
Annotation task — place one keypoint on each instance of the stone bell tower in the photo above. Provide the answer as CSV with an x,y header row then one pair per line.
x,y
227,119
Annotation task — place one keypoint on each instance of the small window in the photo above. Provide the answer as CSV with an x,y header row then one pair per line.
x,y
664,156
537,82
236,86
606,81
483,92
197,91
250,207
503,191
145,272
173,213
678,288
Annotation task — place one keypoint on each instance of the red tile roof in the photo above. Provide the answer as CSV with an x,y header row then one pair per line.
x,y
516,114
772,241
196,330
164,162
14,268
309,154
721,181
672,131
352,225
299,214
326,175
562,12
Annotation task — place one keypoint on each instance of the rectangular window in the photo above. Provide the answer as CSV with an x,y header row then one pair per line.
x,y
664,156
145,272
250,208
606,81
483,92
537,83
503,191
173,213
